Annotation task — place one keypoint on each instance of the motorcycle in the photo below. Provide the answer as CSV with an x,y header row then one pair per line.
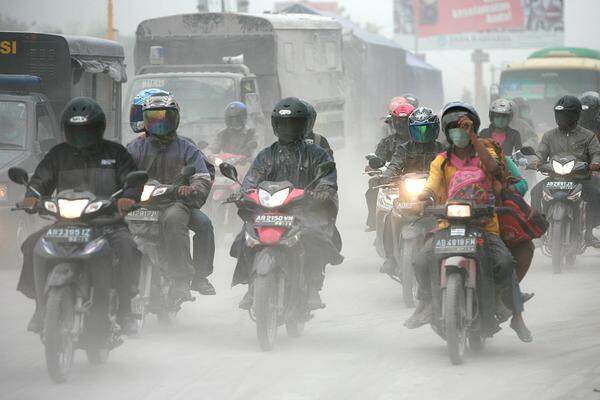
x,y
154,294
81,299
225,219
385,200
463,309
274,230
565,209
403,229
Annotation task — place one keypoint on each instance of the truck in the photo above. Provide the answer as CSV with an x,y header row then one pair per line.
x,y
289,55
39,74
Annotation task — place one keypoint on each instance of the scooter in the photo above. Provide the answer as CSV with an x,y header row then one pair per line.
x,y
274,230
81,300
154,294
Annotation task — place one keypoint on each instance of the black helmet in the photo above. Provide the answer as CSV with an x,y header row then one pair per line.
x,y
452,112
567,112
590,102
412,99
83,122
290,120
236,115
312,117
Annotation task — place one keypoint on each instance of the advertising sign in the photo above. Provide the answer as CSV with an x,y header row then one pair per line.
x,y
469,24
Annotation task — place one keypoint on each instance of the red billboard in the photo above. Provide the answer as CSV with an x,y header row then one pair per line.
x,y
461,16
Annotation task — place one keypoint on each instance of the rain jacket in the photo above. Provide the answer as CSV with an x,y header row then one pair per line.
x,y
412,157
163,160
297,163
511,142
387,147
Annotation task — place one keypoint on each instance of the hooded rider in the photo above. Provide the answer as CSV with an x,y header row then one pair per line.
x,y
311,136
162,153
291,158
590,114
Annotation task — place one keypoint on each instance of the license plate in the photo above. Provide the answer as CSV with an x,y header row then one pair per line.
x,y
406,206
561,185
458,231
274,220
70,234
143,214
456,245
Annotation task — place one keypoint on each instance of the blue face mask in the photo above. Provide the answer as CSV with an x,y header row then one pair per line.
x,y
459,137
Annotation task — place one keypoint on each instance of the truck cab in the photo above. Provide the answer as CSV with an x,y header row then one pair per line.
x,y
203,92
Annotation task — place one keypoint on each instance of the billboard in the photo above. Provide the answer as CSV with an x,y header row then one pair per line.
x,y
472,24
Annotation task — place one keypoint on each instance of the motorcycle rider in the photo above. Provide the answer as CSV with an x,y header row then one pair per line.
x,y
162,153
235,138
293,159
204,234
84,162
385,150
460,123
590,115
571,138
311,135
501,114
415,155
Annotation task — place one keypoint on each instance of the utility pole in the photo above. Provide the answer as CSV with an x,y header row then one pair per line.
x,y
479,57
110,30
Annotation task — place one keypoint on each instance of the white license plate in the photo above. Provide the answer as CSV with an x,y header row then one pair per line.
x,y
70,234
274,220
456,245
561,185
406,206
143,214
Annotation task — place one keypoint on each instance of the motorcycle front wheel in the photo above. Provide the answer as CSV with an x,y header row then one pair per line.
x,y
557,246
266,295
409,284
58,332
454,317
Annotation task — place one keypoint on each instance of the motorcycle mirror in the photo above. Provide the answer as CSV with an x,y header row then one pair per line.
x,y
527,151
376,162
188,171
229,171
369,156
202,144
136,179
18,175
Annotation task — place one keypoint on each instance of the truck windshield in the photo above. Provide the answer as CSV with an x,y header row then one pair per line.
x,y
13,124
547,84
199,97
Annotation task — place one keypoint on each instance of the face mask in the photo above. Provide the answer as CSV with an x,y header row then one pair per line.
x,y
291,130
459,137
501,122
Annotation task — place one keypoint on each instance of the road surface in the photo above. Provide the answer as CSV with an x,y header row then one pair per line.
x,y
357,348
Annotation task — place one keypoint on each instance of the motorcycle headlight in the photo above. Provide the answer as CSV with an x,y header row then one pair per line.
x,y
160,191
92,208
458,211
3,191
71,209
414,187
148,189
275,200
561,169
50,206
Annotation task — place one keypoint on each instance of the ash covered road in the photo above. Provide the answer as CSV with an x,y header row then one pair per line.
x,y
356,348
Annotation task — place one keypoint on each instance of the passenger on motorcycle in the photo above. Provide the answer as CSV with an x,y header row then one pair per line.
x,y
415,155
235,138
84,162
162,153
291,158
522,122
460,123
501,114
385,150
311,136
204,233
570,138
590,115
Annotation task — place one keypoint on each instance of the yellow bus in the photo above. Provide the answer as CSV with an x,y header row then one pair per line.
x,y
547,75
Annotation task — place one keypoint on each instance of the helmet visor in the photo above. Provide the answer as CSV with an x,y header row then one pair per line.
x,y
81,136
235,122
161,122
136,118
290,129
424,132
450,120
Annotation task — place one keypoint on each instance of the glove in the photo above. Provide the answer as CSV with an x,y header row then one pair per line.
x,y
234,197
29,204
185,191
124,205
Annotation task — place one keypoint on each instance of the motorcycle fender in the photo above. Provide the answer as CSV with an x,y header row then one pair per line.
x,y
467,265
265,261
61,275
558,211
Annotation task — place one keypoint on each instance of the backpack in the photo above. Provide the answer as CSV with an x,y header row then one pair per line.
x,y
471,183
519,223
